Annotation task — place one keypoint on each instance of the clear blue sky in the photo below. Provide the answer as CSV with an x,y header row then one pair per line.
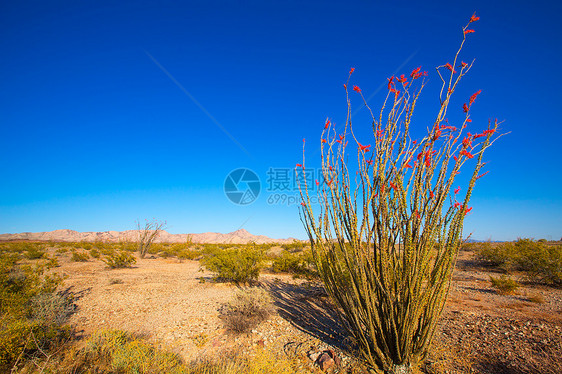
x,y
95,134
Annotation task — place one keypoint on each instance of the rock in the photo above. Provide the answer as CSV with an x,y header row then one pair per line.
x,y
327,360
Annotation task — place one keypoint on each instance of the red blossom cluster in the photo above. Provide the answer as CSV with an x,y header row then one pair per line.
x,y
364,148
417,74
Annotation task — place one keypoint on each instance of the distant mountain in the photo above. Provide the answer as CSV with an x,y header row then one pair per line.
x,y
237,237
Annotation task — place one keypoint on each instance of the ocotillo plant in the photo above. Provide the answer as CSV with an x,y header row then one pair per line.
x,y
386,241
148,233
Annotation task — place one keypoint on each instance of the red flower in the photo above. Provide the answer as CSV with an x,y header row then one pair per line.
x,y
464,64
324,141
489,131
474,95
457,190
414,142
392,185
474,18
390,83
317,182
407,166
402,79
364,148
465,153
299,165
457,204
468,120
303,204
415,72
465,108
370,162
455,158
351,71
417,214
468,31
431,194
356,89
467,211
345,86
448,66
379,133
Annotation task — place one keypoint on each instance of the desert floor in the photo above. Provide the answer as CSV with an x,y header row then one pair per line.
x,y
176,305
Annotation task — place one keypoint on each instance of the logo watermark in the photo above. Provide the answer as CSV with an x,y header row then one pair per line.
x,y
242,186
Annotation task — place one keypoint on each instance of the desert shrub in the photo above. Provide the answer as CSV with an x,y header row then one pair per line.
x,y
300,264
61,250
95,253
295,246
541,262
261,361
238,265
119,259
188,254
500,255
34,252
54,307
31,312
115,351
504,285
119,352
156,248
247,309
127,246
87,246
79,256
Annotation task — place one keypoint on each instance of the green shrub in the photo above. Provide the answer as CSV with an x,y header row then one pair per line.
x,y
542,262
119,260
115,351
300,264
504,285
248,308
238,265
500,255
295,246
79,256
95,253
87,246
31,313
34,252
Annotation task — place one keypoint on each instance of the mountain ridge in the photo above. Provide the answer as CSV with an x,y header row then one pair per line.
x,y
240,236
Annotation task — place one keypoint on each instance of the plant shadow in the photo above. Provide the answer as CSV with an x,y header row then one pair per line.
x,y
308,308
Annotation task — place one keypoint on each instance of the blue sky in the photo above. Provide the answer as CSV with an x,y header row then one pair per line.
x,y
95,134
